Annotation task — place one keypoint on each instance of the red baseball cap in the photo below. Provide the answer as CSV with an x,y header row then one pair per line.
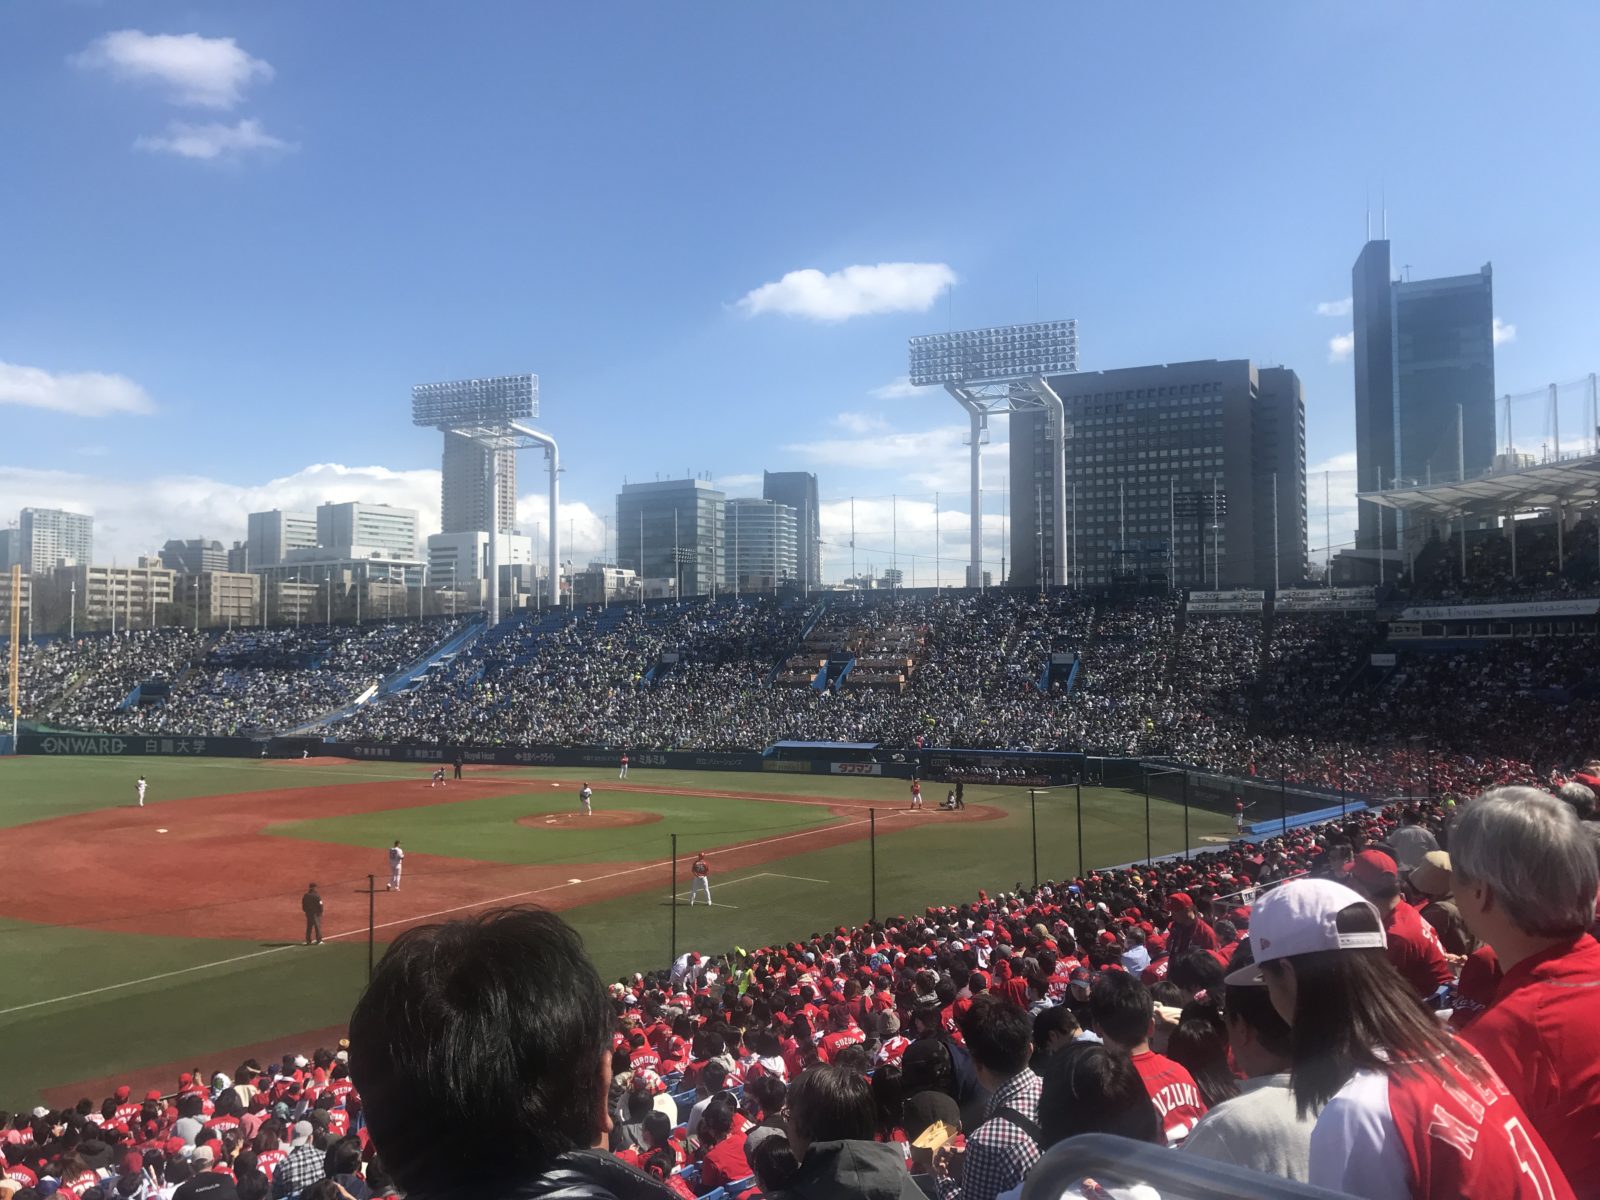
x,y
1374,867
1179,900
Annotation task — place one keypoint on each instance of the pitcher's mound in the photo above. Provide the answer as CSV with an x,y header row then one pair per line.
x,y
600,819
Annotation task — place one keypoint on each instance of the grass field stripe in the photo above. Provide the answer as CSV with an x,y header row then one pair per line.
x,y
111,987
443,912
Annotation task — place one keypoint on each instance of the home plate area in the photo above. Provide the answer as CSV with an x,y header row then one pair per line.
x,y
719,886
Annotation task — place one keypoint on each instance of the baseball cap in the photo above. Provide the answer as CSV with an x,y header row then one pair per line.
x,y
1179,900
303,1131
1301,917
1374,867
1431,876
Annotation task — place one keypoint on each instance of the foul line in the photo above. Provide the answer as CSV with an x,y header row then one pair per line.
x,y
443,912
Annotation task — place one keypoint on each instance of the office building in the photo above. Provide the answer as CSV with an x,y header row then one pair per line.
x,y
464,487
194,556
1170,474
50,538
798,489
358,530
272,535
1424,358
117,597
673,530
239,557
221,597
460,561
602,583
762,546
10,548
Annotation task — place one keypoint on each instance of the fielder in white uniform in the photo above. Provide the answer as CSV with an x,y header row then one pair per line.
x,y
623,773
702,880
139,787
585,794
397,859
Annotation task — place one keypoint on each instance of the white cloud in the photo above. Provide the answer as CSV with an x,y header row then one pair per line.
x,y
898,389
1504,332
193,70
901,532
860,422
735,484
1335,308
855,291
214,140
1341,348
84,394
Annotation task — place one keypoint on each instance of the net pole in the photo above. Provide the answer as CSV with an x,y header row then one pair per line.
x,y
372,924
1186,841
1079,788
673,945
872,860
1149,852
1033,817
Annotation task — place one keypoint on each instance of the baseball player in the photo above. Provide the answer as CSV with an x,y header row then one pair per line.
x,y
585,794
139,788
1238,816
623,773
702,879
438,778
916,795
397,858
311,905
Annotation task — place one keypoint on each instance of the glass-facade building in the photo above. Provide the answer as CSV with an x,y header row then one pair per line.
x,y
798,489
1424,358
762,544
1170,478
673,529
52,537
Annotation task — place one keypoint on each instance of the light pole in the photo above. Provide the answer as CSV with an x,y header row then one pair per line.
x,y
72,617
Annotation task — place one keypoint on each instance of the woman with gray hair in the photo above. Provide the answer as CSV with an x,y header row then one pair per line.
x,y
1525,881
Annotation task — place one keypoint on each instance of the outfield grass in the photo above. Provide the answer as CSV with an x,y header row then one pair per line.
x,y
273,990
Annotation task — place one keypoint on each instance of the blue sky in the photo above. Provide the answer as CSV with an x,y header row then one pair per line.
x,y
266,241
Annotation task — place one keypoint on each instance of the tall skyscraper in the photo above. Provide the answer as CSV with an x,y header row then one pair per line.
x,y
464,487
10,548
1170,473
271,535
673,529
761,544
1424,355
52,537
798,489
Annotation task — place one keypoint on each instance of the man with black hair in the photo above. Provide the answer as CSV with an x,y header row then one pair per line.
x,y
482,1052
311,906
1260,1128
1000,1151
1123,1012
832,1127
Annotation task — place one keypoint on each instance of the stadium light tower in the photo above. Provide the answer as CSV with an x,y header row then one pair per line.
x,y
996,372
492,413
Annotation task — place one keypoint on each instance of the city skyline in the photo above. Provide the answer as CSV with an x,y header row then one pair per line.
x,y
141,387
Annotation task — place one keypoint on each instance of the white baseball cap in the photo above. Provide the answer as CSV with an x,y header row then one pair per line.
x,y
1301,917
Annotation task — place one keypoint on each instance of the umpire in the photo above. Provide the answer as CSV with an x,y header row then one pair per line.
x,y
311,905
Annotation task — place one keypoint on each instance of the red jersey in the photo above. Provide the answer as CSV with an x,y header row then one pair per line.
x,y
725,1162
1541,1034
1427,1138
1415,951
893,1049
837,1041
22,1175
126,1112
644,1057
267,1161
340,1090
1173,1090
1198,936
701,868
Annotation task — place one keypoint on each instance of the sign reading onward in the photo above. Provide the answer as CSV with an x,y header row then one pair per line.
x,y
120,745
1239,600
1351,599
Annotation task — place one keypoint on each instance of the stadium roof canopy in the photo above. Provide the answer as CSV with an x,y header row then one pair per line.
x,y
1570,482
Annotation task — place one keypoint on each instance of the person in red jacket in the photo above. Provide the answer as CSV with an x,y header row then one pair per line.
x,y
1188,929
1525,876
1413,946
722,1139
1406,1110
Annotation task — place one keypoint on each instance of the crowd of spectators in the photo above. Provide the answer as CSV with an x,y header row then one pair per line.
x,y
1410,951
1293,697
241,682
1437,574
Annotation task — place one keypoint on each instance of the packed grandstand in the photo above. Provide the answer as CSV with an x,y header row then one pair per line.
x,y
1305,697
1111,1002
